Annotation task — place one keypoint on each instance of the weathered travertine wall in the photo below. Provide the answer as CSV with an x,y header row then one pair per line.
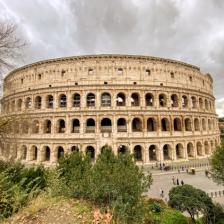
x,y
159,109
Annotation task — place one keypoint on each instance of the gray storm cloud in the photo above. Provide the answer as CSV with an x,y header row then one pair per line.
x,y
190,30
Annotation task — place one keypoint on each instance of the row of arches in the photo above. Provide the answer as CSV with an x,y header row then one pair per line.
x,y
137,124
106,100
152,153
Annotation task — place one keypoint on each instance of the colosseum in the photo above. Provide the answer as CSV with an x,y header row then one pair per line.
x,y
158,109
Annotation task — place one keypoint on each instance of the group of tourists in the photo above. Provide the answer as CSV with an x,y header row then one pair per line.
x,y
176,181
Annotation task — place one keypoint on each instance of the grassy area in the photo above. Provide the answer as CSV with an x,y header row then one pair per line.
x,y
57,210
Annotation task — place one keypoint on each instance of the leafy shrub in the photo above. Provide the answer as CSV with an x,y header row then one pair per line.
x,y
164,214
75,172
155,207
18,185
113,181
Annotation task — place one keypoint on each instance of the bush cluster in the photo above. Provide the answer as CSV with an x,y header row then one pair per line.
x,y
114,181
18,185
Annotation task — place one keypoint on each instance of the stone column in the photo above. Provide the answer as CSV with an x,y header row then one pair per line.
x,y
69,100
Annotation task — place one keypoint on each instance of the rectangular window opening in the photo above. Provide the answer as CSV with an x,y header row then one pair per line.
x,y
148,72
90,71
120,71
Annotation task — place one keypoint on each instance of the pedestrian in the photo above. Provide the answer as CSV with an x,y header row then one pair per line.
x,y
177,181
173,179
178,170
187,170
161,193
182,168
182,182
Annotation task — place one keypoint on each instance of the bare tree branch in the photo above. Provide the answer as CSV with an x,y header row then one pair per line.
x,y
11,46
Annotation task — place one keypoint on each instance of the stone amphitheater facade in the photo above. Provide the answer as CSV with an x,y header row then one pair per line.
x,y
158,109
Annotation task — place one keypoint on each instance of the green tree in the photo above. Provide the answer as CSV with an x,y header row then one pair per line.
x,y
74,173
119,183
192,200
217,165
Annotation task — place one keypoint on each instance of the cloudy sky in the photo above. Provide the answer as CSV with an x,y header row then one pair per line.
x,y
189,30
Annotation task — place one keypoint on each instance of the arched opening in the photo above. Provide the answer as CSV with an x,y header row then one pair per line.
x,y
152,153
105,148
60,152
19,104
122,149
121,125
47,154
13,105
151,124
135,99
62,101
105,100
38,101
76,100
149,100
136,125
120,99
209,124
184,101
190,150
16,127
25,127
204,128
50,101
174,100
23,152
167,152
179,151
75,126
138,153
216,143
74,148
207,149
162,100
177,124
90,151
196,124
35,127
6,151
199,149
193,102
212,146
90,126
61,126
28,103
47,126
106,125
34,152
200,103
14,151
188,126
90,100
206,104
165,125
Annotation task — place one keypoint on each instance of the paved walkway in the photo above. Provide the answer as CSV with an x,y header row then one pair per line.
x,y
199,180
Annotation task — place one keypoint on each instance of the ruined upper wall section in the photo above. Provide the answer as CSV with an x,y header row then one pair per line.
x,y
110,69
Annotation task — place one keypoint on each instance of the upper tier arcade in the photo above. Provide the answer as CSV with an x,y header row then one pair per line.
x,y
107,69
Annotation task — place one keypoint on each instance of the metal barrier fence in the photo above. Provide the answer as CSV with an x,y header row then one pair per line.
x,y
179,167
215,194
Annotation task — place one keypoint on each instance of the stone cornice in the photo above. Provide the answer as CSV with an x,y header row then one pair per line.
x,y
104,56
